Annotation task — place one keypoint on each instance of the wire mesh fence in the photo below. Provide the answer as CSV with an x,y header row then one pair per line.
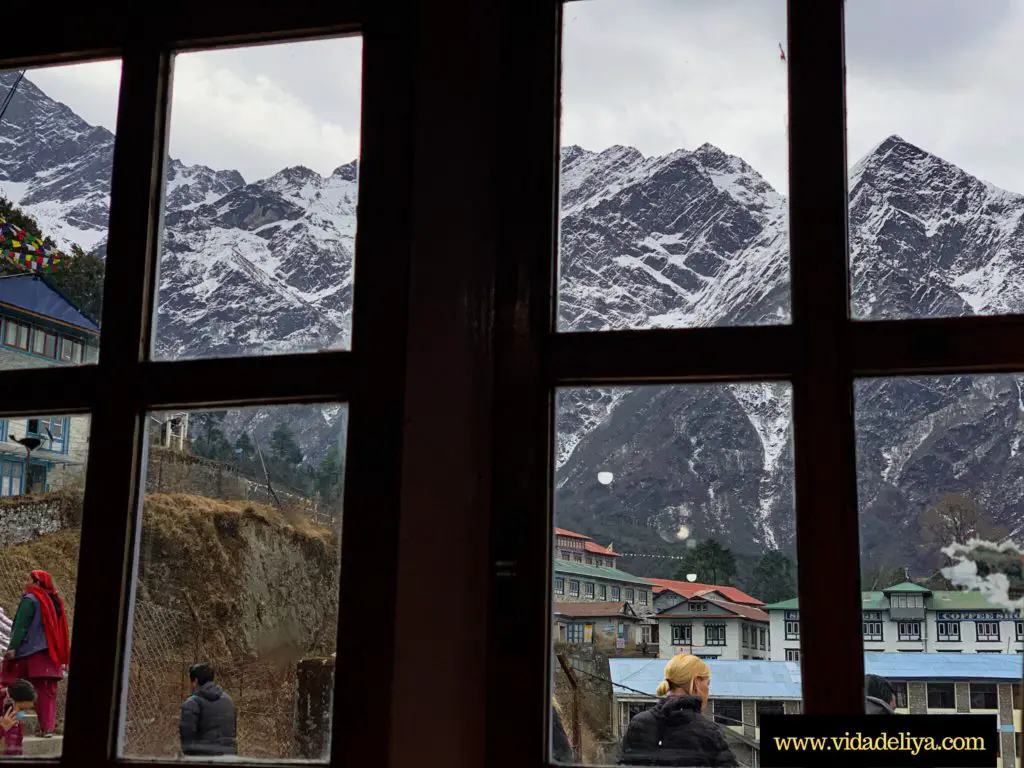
x,y
158,684
166,641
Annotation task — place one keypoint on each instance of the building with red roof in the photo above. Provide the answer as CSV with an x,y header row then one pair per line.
x,y
690,589
577,548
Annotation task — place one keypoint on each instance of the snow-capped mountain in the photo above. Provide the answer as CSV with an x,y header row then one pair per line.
x,y
245,269
927,239
692,238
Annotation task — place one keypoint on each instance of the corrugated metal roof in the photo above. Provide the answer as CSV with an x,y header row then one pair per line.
x,y
32,294
781,679
597,572
945,666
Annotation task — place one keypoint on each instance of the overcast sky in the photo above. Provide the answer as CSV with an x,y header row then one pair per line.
x,y
655,74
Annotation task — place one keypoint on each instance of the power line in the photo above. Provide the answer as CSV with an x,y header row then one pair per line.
x,y
644,693
644,554
10,94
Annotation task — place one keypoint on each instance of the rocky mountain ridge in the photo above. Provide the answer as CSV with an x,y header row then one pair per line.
x,y
691,238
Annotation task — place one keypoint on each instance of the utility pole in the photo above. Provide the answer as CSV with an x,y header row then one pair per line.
x,y
577,733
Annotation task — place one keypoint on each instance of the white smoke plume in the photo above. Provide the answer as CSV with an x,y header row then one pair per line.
x,y
963,573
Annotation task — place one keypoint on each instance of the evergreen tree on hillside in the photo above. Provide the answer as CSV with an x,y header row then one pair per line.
x,y
713,563
329,476
244,448
283,445
211,441
773,579
81,280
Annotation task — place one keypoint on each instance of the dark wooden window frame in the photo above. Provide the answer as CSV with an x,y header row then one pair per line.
x,y
822,352
126,383
459,127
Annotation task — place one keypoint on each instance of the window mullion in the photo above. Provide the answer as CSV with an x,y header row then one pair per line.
x,y
362,725
110,505
826,507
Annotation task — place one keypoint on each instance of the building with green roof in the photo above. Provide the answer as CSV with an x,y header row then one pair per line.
x,y
577,582
910,618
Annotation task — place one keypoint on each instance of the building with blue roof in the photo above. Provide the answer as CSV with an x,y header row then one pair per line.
x,y
925,683
40,327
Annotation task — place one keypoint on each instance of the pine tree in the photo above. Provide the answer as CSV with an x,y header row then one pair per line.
x,y
773,579
713,563
244,448
283,445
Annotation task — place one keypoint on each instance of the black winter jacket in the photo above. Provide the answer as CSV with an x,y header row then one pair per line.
x,y
873,706
561,749
673,732
208,722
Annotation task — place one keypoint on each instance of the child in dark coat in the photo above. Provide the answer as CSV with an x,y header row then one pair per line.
x,y
18,700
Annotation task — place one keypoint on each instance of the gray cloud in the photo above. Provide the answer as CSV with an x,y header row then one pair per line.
x,y
655,74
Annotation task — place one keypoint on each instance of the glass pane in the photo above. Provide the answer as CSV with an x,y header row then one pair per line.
x,y
238,567
260,201
42,483
674,539
939,483
674,165
56,156
936,176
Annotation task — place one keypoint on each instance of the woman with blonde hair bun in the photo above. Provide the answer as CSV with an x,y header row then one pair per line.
x,y
673,731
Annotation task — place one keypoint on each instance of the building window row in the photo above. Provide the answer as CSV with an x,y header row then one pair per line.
x,y
987,631
592,591
41,342
682,634
906,601
909,630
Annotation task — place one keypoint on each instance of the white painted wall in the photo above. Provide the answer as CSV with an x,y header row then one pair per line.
x,y
733,648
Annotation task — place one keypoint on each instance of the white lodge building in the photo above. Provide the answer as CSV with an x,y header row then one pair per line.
x,y
908,618
712,627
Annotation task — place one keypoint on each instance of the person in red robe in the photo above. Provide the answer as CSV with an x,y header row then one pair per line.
x,y
40,646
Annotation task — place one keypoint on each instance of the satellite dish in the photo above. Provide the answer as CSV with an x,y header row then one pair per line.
x,y
691,577
605,478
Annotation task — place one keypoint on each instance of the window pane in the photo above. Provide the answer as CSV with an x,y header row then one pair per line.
x,y
673,165
680,499
41,511
939,471
260,201
56,156
238,568
936,178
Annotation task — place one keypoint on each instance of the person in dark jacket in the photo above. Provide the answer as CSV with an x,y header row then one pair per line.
x,y
880,698
673,731
561,749
208,716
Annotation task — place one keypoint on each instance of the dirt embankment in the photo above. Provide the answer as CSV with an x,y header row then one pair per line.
x,y
244,580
